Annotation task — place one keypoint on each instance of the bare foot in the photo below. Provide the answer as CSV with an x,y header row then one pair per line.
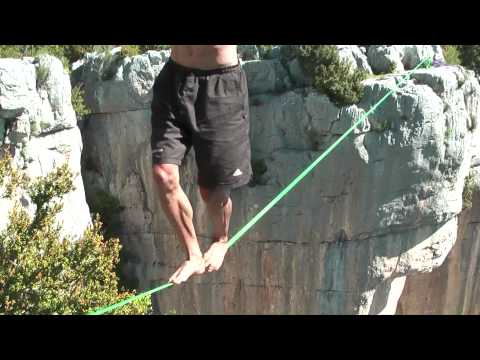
x,y
194,266
215,255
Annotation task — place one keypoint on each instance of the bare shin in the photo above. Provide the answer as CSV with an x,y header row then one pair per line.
x,y
177,207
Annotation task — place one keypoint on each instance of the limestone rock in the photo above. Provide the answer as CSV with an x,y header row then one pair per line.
x,y
41,130
385,59
453,288
397,58
382,207
266,76
114,84
354,55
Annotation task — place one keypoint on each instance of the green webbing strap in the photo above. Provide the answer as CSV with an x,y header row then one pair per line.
x,y
427,62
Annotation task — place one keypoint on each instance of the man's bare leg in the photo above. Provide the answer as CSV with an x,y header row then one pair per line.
x,y
219,211
180,214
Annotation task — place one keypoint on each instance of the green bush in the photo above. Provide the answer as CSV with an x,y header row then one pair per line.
x,y
78,101
108,208
145,48
9,51
76,52
129,50
54,50
331,75
451,54
43,272
470,56
19,51
468,190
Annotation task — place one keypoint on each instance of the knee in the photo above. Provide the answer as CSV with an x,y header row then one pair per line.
x,y
166,177
216,196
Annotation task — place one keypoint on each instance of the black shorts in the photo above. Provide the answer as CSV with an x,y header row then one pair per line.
x,y
209,111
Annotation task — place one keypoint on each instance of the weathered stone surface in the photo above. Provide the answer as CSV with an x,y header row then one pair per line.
x,y
385,59
354,55
381,207
397,58
453,288
266,76
41,131
116,84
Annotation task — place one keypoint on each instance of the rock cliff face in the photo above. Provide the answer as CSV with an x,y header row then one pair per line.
x,y
370,231
382,208
453,288
38,127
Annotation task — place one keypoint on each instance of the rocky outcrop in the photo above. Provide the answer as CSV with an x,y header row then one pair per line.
x,y
380,208
386,59
453,288
38,127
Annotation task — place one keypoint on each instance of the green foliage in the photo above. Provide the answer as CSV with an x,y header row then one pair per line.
x,y
9,51
19,51
103,48
78,101
10,178
145,48
470,56
129,50
265,51
43,272
108,208
76,52
332,75
54,50
468,190
451,54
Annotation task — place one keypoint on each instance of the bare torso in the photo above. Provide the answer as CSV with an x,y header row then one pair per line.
x,y
205,57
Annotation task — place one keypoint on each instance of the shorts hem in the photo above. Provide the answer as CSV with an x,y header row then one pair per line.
x,y
170,161
240,183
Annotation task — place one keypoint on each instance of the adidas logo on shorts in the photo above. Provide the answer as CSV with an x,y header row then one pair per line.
x,y
237,172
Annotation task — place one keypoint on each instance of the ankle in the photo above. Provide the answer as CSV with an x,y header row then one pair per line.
x,y
195,256
222,239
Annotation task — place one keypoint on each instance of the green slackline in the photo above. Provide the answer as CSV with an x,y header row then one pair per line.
x,y
427,62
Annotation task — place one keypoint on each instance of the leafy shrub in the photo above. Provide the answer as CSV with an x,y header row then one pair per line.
x,y
332,75
108,208
76,52
19,51
129,50
78,101
470,56
9,51
468,190
54,50
451,54
43,272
